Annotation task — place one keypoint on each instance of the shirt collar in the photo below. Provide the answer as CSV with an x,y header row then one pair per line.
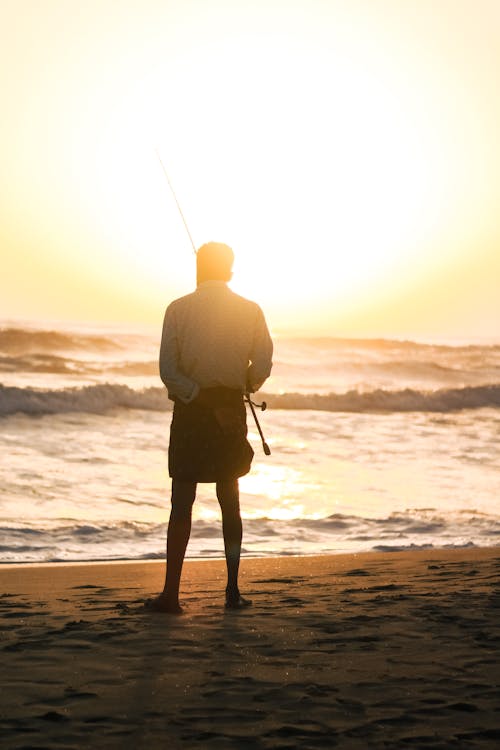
x,y
211,283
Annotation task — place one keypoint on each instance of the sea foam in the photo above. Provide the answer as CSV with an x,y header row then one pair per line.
x,y
97,399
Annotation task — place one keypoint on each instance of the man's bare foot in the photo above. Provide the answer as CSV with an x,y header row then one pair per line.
x,y
162,603
236,601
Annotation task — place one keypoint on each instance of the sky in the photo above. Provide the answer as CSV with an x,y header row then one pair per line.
x,y
349,152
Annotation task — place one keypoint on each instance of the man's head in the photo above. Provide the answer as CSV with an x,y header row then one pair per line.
x,y
214,262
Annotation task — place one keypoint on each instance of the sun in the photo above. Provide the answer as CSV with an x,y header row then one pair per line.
x,y
320,174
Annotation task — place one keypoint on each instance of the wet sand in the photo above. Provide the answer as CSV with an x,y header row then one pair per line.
x,y
352,651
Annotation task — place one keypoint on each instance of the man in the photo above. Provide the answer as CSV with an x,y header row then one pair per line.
x,y
215,347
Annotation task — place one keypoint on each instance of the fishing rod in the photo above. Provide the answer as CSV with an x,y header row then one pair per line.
x,y
252,404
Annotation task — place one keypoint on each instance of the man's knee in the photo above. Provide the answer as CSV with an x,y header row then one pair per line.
x,y
183,495
229,498
230,508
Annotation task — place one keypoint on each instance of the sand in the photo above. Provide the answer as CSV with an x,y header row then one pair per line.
x,y
351,651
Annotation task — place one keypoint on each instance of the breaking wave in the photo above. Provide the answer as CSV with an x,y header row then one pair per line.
x,y
97,399
52,363
93,399
381,400
21,340
67,540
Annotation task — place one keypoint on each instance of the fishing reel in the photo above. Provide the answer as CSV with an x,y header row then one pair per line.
x,y
262,406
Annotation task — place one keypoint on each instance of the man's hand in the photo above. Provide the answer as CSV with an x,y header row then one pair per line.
x,y
249,387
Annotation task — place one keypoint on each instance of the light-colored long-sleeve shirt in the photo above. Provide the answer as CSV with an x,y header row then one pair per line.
x,y
213,337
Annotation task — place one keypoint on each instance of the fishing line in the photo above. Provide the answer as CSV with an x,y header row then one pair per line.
x,y
176,201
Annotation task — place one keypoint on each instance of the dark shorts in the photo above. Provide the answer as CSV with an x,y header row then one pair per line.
x,y
208,437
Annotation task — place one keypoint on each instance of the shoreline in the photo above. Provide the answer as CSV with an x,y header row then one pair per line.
x,y
375,649
244,557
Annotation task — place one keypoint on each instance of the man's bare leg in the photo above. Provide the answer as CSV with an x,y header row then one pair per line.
x,y
179,530
228,496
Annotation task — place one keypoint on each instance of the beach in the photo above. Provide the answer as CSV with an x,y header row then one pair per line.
x,y
369,650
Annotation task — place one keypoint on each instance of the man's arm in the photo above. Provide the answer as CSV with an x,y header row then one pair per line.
x,y
261,354
178,385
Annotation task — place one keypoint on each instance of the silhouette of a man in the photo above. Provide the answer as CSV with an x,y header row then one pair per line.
x,y
215,347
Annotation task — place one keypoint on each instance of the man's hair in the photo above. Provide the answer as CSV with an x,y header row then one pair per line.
x,y
214,262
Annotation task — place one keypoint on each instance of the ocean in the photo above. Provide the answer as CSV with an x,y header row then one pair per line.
x,y
376,445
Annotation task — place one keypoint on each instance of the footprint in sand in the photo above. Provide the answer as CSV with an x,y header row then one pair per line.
x,y
357,572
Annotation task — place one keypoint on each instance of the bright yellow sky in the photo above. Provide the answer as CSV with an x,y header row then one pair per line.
x,y
349,152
